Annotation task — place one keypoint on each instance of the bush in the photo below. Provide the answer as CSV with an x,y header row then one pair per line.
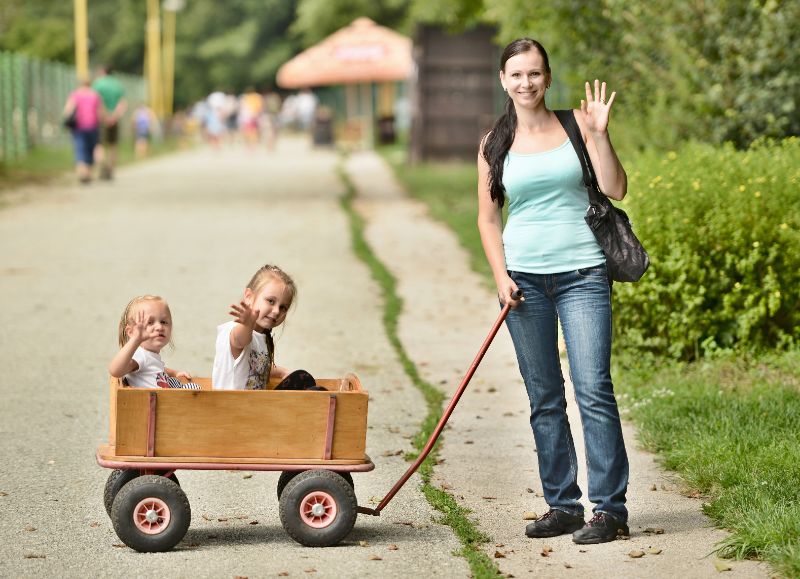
x,y
723,231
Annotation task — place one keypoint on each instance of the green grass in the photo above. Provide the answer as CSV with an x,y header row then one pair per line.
x,y
453,514
43,164
729,427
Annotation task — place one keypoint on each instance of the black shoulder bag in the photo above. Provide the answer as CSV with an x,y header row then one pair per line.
x,y
626,259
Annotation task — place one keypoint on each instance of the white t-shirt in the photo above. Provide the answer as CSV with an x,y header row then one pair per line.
x,y
151,372
250,371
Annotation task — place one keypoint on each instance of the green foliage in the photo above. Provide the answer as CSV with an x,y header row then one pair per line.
x,y
316,19
731,429
723,231
219,46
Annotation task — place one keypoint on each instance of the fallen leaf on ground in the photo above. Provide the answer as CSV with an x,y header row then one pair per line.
x,y
653,488
654,530
363,543
375,558
35,556
212,536
206,517
222,519
30,528
489,498
248,475
440,460
253,522
94,524
310,570
119,545
722,566
636,554
538,494
567,566
3,494
469,442
546,550
283,574
498,545
491,389
529,490
508,414
499,555
241,577
392,547
529,516
654,551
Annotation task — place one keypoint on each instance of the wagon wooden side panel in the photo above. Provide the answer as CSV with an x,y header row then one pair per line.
x,y
214,426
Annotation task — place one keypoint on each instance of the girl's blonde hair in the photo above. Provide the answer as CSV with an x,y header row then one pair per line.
x,y
268,272
127,315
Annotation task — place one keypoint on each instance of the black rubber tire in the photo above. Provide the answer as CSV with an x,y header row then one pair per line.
x,y
155,487
118,479
337,488
288,475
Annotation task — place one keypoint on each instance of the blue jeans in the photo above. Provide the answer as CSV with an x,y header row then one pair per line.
x,y
582,300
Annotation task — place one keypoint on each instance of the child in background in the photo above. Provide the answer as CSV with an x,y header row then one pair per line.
x,y
144,329
245,350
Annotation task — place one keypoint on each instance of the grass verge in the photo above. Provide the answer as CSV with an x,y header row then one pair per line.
x,y
729,427
42,164
453,514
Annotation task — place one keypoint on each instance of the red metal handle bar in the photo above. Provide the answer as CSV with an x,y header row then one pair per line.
x,y
446,416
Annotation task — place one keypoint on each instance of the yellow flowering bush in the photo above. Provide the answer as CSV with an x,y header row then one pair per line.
x,y
723,231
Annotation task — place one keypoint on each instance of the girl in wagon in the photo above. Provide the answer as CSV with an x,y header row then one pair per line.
x,y
144,329
245,350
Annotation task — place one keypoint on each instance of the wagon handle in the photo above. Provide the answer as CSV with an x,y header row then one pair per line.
x,y
448,411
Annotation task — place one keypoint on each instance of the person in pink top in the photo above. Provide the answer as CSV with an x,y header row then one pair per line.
x,y
87,105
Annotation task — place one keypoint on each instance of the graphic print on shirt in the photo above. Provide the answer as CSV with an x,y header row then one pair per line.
x,y
259,371
161,380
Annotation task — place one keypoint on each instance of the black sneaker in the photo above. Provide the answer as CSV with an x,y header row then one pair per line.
x,y
553,523
602,528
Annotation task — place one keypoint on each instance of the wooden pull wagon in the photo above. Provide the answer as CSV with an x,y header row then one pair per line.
x,y
316,438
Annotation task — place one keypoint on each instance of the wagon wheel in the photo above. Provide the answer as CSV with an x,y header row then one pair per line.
x,y
118,479
151,514
288,475
318,508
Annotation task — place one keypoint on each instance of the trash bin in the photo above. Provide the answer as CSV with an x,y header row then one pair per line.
x,y
386,134
322,131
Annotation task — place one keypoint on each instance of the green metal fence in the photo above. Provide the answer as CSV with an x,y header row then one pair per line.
x,y
32,95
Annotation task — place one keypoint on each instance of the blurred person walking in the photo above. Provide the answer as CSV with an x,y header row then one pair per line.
x,y
85,107
144,125
113,94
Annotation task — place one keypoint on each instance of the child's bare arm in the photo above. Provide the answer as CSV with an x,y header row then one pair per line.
x,y
123,362
279,372
242,333
178,374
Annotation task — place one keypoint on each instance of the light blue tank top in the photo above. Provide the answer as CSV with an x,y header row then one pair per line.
x,y
545,231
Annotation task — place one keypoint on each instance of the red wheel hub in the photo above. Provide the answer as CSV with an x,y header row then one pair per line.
x,y
151,516
318,509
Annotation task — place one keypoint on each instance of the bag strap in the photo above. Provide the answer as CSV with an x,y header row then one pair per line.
x,y
567,120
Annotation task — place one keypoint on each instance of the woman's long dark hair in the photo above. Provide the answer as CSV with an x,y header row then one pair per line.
x,y
501,136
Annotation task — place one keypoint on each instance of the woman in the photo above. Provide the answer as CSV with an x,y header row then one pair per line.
x,y
88,108
548,251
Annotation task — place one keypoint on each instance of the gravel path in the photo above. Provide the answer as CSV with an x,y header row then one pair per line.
x,y
192,227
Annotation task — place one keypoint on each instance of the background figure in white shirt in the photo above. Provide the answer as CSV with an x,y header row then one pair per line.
x,y
144,329
245,350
